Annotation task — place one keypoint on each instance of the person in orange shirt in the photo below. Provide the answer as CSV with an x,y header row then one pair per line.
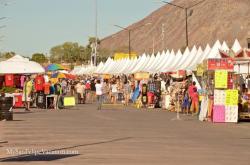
x,y
47,88
195,102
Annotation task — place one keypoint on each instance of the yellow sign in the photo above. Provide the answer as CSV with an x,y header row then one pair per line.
x,y
141,75
232,97
200,70
69,101
106,76
120,56
221,78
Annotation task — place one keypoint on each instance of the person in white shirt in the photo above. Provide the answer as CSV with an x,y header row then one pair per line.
x,y
114,92
80,92
99,94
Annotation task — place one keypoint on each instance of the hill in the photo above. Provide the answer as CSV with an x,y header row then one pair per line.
x,y
210,20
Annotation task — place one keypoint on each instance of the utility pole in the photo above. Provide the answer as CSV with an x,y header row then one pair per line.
x,y
186,15
129,34
96,44
163,35
153,44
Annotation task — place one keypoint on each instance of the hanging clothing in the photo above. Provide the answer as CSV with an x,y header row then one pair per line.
x,y
22,80
1,81
17,81
9,80
39,83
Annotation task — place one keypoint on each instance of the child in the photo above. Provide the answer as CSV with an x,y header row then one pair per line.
x,y
186,103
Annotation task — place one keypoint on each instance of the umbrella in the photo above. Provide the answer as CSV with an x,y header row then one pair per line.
x,y
63,75
54,67
58,75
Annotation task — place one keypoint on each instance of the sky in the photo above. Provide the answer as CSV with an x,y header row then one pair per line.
x,y
35,26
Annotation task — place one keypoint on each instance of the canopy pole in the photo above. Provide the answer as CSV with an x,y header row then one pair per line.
x,y
248,69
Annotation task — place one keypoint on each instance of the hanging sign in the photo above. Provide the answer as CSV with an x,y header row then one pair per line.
x,y
232,97
141,75
221,64
221,77
200,70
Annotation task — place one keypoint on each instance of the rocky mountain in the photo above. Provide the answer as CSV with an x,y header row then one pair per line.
x,y
207,22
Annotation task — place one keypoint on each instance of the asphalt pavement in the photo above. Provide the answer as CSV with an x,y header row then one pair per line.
x,y
120,135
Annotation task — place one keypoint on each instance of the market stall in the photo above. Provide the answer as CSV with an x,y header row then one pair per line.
x,y
12,77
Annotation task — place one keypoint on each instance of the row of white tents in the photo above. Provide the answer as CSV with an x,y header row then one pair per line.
x,y
167,61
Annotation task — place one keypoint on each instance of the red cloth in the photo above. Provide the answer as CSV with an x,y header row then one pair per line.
x,y
18,101
195,97
191,90
39,83
87,86
9,80
47,88
150,97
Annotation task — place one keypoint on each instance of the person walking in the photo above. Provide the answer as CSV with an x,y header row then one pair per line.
x,y
58,94
99,94
93,90
114,92
105,90
127,92
27,91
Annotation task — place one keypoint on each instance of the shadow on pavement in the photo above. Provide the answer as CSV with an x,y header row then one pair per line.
x,y
44,156
41,157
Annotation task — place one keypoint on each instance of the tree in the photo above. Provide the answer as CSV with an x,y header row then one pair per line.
x,y
56,54
72,52
69,52
39,57
7,55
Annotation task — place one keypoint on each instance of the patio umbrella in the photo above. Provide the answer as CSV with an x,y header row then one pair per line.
x,y
55,67
63,75
58,75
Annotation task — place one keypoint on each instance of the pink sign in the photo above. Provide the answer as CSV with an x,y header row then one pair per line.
x,y
219,114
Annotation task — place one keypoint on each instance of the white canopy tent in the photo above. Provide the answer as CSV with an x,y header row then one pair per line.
x,y
20,65
236,46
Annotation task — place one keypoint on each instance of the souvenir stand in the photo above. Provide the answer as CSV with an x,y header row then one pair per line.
x,y
222,103
242,69
13,77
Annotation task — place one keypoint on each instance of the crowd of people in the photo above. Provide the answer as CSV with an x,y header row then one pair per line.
x,y
40,85
125,89
121,89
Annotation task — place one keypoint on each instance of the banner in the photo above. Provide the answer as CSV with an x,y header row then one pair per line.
x,y
141,75
221,77
69,101
221,64
232,97
200,70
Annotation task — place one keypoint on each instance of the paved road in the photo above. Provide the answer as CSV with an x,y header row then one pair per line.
x,y
116,136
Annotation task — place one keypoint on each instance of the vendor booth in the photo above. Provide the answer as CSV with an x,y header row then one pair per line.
x,y
12,73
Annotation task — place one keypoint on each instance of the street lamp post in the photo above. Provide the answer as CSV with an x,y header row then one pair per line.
x,y
129,35
96,16
186,15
